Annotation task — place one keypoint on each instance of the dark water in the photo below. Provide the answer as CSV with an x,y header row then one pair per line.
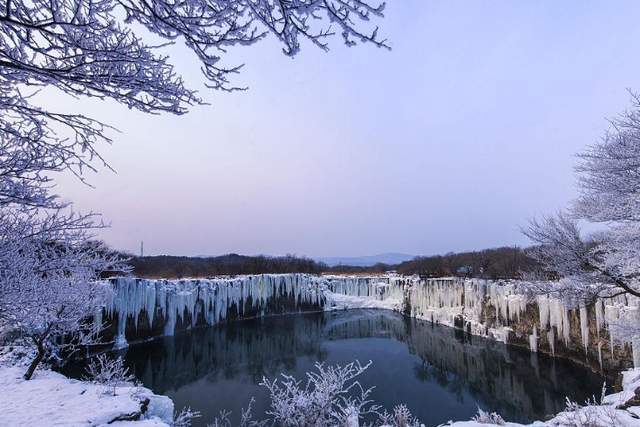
x,y
441,374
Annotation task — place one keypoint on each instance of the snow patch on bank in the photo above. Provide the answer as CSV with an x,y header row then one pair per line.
x,y
52,399
346,302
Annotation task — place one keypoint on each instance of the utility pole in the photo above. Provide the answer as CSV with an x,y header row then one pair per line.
x,y
141,248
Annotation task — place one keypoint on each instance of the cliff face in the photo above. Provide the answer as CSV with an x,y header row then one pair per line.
x,y
502,311
142,308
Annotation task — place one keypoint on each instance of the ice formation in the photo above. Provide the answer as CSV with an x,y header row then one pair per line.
x,y
488,308
210,301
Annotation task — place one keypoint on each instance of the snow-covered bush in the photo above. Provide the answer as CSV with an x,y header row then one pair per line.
x,y
184,417
591,414
246,418
488,418
331,396
400,417
109,372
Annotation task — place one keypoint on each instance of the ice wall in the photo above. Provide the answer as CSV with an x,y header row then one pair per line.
x,y
502,310
496,309
194,302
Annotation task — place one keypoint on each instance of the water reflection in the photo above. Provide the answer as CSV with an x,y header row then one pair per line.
x,y
440,373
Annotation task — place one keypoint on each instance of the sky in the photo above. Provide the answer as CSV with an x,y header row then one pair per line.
x,y
451,141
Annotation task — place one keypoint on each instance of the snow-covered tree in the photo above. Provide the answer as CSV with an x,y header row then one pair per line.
x,y
94,48
604,264
49,283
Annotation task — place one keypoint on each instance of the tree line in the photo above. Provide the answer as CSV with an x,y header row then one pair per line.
x,y
165,266
497,263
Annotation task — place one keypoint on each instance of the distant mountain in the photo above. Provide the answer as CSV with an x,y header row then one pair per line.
x,y
366,261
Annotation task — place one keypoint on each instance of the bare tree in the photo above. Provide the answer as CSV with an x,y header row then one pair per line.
x,y
604,264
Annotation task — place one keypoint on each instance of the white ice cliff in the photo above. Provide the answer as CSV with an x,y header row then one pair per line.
x,y
497,309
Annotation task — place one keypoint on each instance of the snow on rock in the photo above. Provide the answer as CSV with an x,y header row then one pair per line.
x,y
52,399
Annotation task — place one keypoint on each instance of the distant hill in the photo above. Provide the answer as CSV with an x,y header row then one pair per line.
x,y
367,261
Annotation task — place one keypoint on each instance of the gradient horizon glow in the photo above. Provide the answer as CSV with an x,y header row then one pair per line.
x,y
449,142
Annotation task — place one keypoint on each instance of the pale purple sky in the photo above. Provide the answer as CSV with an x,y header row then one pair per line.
x,y
449,142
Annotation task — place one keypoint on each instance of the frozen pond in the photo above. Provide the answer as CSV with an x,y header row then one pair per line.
x,y
440,373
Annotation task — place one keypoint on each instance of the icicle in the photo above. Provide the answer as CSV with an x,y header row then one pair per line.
x,y
584,327
600,353
599,316
635,349
543,311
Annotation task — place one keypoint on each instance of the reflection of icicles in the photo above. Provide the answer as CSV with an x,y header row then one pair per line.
x,y
533,340
551,336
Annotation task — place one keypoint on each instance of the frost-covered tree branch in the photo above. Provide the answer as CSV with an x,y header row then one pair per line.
x,y
89,48
605,264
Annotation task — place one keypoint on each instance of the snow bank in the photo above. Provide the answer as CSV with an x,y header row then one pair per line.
x,y
51,399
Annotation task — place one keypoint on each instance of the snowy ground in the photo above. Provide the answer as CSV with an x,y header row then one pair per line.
x,y
50,399
344,302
